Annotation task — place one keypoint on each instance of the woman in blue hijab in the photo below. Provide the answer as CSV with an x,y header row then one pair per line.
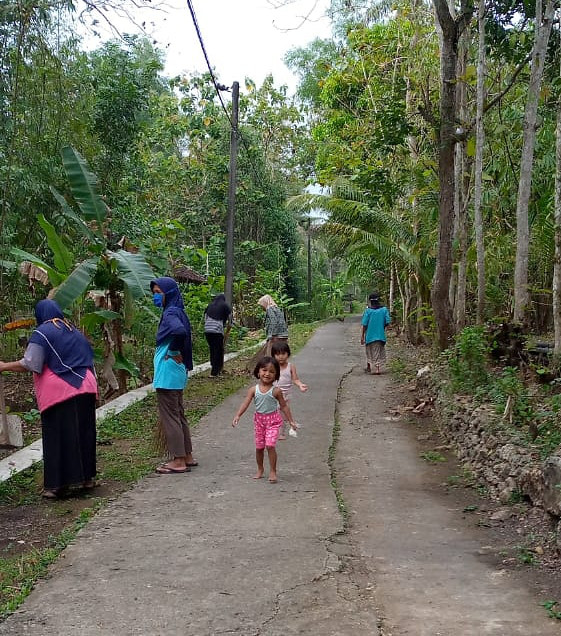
x,y
61,360
173,359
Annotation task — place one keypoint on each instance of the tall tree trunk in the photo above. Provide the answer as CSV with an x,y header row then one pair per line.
x,y
392,287
462,191
542,30
403,301
479,145
412,315
557,229
451,30
413,318
461,282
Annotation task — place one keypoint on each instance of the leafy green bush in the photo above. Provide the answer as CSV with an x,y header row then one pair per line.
x,y
509,387
467,360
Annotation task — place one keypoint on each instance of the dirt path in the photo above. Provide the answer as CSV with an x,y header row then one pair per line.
x,y
215,552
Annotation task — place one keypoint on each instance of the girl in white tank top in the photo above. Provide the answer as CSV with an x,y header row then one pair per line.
x,y
288,376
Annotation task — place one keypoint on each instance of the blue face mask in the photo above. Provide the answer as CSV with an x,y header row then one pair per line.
x,y
158,299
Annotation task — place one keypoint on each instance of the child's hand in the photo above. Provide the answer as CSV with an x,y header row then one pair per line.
x,y
303,387
235,420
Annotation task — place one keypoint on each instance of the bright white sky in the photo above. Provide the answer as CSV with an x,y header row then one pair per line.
x,y
243,38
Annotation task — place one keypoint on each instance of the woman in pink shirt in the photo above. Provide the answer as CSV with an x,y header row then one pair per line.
x,y
61,360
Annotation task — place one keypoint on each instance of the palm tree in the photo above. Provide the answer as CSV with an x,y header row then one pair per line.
x,y
364,232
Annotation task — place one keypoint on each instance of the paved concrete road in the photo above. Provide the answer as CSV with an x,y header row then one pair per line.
x,y
215,552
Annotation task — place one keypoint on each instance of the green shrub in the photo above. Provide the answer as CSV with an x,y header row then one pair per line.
x,y
509,386
467,360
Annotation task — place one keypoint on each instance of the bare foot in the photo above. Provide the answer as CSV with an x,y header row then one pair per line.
x,y
281,437
273,478
258,475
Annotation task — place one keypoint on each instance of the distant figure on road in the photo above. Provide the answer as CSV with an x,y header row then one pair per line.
x,y
288,376
173,359
275,324
61,359
374,321
267,419
216,315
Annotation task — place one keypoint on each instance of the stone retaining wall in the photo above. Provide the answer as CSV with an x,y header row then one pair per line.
x,y
496,457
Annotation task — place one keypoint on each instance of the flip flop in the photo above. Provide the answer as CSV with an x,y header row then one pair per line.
x,y
168,470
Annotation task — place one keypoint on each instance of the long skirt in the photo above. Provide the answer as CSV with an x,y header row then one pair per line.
x,y
376,352
69,442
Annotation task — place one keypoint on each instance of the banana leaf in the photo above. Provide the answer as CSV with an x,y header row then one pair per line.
x,y
128,308
69,213
62,256
7,266
77,283
83,184
91,320
54,276
134,271
128,365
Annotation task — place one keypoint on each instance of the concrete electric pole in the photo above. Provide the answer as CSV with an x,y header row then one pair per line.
x,y
229,282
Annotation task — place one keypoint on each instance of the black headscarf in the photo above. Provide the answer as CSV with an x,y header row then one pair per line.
x,y
374,299
218,308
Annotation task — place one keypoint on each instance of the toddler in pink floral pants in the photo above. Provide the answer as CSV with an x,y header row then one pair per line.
x,y
267,420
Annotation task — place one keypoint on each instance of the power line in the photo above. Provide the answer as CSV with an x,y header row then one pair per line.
x,y
219,87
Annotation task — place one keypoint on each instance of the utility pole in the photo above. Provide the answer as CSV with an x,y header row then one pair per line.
x,y
229,282
309,261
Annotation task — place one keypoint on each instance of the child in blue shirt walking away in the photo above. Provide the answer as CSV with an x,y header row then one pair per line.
x,y
374,321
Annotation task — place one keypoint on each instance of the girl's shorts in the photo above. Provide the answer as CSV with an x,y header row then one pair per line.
x,y
267,427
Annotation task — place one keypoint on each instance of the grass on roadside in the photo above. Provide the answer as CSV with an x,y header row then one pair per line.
x,y
18,574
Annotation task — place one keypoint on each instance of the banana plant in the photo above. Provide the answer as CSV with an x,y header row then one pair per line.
x,y
128,275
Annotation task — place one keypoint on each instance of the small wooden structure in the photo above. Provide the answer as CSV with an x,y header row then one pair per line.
x,y
183,274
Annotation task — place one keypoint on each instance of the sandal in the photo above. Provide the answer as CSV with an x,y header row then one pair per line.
x,y
49,494
164,469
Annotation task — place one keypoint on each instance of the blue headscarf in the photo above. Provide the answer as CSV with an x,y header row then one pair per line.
x,y
67,351
174,322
